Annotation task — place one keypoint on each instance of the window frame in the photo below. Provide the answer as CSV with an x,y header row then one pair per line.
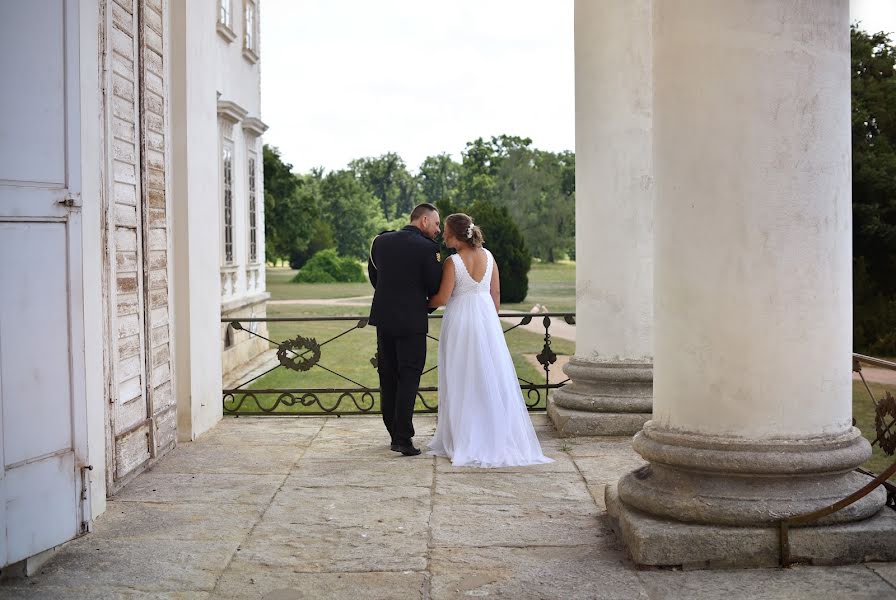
x,y
227,203
225,20
252,207
250,31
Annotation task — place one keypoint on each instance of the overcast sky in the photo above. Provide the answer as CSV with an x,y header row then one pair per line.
x,y
343,79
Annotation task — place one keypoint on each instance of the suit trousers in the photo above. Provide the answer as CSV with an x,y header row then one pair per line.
x,y
400,364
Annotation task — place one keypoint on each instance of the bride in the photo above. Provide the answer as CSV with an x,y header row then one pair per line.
x,y
483,420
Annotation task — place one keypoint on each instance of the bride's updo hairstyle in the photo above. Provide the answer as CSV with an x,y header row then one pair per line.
x,y
461,227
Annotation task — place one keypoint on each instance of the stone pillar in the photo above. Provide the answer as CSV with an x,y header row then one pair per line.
x,y
752,418
612,371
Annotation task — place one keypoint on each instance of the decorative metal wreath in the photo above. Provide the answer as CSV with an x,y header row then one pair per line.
x,y
886,407
299,347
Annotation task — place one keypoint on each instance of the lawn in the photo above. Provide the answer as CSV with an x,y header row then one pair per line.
x,y
550,284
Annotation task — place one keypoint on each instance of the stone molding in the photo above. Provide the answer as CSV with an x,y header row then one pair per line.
x,y
254,126
837,453
231,111
695,478
243,301
616,387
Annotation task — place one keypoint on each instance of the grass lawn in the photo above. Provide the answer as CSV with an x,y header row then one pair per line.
x,y
280,286
863,413
553,285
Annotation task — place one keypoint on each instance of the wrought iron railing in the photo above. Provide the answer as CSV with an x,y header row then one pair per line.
x,y
885,439
303,353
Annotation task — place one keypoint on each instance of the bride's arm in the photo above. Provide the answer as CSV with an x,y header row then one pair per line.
x,y
447,286
495,287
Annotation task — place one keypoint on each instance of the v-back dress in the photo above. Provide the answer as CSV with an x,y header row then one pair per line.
x,y
482,419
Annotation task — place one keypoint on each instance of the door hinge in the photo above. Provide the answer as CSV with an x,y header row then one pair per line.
x,y
71,200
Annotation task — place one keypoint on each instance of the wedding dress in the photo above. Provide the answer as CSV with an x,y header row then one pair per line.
x,y
482,421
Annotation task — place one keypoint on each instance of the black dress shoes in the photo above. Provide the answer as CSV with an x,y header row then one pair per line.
x,y
394,447
407,450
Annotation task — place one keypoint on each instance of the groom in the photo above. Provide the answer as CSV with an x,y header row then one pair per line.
x,y
405,271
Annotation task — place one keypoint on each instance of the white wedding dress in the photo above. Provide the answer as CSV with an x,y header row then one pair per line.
x,y
483,421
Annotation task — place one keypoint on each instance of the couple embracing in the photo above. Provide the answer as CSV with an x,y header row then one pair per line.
x,y
482,418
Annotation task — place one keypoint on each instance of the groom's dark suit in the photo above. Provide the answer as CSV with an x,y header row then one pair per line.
x,y
405,271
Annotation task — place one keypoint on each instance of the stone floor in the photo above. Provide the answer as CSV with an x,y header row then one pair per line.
x,y
284,508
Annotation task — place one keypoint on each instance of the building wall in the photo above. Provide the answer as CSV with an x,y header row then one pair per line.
x,y
239,95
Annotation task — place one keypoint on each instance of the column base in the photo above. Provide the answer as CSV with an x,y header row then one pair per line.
x,y
657,541
604,398
569,422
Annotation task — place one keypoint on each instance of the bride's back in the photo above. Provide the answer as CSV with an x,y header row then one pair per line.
x,y
476,262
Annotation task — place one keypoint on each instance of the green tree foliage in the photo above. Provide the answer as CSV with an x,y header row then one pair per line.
x,y
438,179
387,178
874,192
327,266
291,207
352,211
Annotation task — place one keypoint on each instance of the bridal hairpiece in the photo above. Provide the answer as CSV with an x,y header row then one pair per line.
x,y
470,231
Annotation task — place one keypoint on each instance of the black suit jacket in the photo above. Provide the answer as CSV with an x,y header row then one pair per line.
x,y
405,271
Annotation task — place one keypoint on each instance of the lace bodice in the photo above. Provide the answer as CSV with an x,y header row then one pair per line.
x,y
464,282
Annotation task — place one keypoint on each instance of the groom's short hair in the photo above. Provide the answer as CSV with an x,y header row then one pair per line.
x,y
422,209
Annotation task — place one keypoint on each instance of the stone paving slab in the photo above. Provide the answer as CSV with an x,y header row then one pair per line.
x,y
250,431
227,458
154,486
577,572
34,590
249,580
351,506
176,521
796,583
138,564
560,489
381,471
284,508
512,526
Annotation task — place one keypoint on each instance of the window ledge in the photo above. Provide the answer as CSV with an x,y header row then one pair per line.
x,y
226,32
250,55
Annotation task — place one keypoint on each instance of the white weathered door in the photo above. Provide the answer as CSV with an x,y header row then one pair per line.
x,y
41,318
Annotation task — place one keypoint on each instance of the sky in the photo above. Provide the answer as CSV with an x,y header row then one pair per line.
x,y
345,79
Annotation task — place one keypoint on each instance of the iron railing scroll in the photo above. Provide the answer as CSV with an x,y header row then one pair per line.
x,y
303,353
885,439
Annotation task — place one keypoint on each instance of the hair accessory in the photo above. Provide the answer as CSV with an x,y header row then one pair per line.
x,y
470,231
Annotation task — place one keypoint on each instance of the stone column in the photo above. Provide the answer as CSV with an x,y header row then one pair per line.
x,y
752,418
612,371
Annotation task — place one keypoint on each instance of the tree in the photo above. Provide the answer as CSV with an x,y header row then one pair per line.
x,y
291,207
438,178
874,192
387,178
352,212
534,186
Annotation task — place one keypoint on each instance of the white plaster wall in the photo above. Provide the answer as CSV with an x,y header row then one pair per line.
x,y
753,280
196,215
92,247
238,80
614,184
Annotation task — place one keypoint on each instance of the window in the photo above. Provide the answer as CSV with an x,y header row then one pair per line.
x,y
227,160
225,13
251,19
253,213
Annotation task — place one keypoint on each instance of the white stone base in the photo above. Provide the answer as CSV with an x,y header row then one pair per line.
x,y
244,347
653,541
569,422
